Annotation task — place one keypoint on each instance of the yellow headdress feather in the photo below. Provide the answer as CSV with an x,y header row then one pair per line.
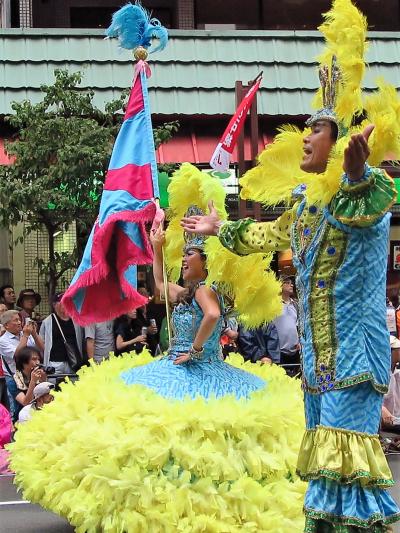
x,y
278,171
247,280
345,31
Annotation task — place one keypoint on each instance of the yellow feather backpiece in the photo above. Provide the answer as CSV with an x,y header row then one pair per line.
x,y
188,186
278,171
345,30
247,280
383,110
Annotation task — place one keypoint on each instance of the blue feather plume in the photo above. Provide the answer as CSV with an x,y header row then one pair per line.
x,y
134,27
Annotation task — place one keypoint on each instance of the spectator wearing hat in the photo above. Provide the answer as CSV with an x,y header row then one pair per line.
x,y
28,299
41,396
7,295
57,331
14,339
286,325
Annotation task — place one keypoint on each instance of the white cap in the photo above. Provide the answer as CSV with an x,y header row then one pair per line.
x,y
42,389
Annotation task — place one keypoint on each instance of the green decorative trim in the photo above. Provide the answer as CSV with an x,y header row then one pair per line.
x,y
350,382
322,304
361,204
360,378
315,525
352,520
357,188
306,220
346,480
345,431
230,231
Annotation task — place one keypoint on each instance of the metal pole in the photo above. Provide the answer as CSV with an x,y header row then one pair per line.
x,y
240,147
166,297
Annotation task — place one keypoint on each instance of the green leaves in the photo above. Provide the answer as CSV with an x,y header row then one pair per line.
x,y
61,152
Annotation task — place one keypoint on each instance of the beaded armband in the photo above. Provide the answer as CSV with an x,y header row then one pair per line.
x,y
195,355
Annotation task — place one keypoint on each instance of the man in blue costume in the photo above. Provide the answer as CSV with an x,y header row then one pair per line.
x,y
340,254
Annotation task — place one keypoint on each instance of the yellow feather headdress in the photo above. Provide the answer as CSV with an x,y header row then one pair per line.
x,y
278,170
248,281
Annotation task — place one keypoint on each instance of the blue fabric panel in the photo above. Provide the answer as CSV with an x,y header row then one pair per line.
x,y
132,144
117,201
131,275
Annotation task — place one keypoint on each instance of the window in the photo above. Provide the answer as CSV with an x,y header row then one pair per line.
x,y
223,15
100,17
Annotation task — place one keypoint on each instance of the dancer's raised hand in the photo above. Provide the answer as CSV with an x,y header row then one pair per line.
x,y
157,237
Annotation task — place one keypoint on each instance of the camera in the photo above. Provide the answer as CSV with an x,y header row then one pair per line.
x,y
48,369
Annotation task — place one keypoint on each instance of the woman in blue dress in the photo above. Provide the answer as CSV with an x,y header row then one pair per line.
x,y
186,443
194,365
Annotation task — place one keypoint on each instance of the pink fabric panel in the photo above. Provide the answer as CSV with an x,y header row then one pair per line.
x,y
136,102
134,179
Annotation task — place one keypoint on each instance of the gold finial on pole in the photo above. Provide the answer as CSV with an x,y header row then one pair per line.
x,y
140,53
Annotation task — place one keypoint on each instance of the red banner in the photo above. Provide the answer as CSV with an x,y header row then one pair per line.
x,y
222,155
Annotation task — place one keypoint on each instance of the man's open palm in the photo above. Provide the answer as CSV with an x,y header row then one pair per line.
x,y
204,225
357,153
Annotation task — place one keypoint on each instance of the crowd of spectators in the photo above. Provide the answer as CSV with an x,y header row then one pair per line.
x,y
36,351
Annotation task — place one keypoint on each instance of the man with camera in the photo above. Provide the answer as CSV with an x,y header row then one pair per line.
x,y
14,339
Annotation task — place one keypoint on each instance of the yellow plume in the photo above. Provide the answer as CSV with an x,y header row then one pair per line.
x,y
246,280
383,110
278,171
345,30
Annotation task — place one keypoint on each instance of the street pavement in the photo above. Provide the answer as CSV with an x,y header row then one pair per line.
x,y
18,516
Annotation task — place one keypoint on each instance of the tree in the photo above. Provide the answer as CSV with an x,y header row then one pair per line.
x,y
62,149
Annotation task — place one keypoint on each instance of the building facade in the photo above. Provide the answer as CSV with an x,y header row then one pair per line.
x,y
193,80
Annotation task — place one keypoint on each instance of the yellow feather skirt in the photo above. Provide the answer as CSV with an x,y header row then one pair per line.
x,y
116,458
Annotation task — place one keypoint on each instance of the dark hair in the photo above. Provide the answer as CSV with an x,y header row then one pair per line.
x,y
24,356
3,288
334,131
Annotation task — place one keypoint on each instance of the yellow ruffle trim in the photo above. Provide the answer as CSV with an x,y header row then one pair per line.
x,y
116,458
344,456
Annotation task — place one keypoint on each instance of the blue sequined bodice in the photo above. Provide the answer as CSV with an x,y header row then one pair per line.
x,y
197,377
186,319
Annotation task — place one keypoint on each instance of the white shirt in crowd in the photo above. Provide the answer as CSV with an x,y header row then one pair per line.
x,y
8,345
26,413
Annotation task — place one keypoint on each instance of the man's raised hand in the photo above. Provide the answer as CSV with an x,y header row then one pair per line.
x,y
357,153
204,225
